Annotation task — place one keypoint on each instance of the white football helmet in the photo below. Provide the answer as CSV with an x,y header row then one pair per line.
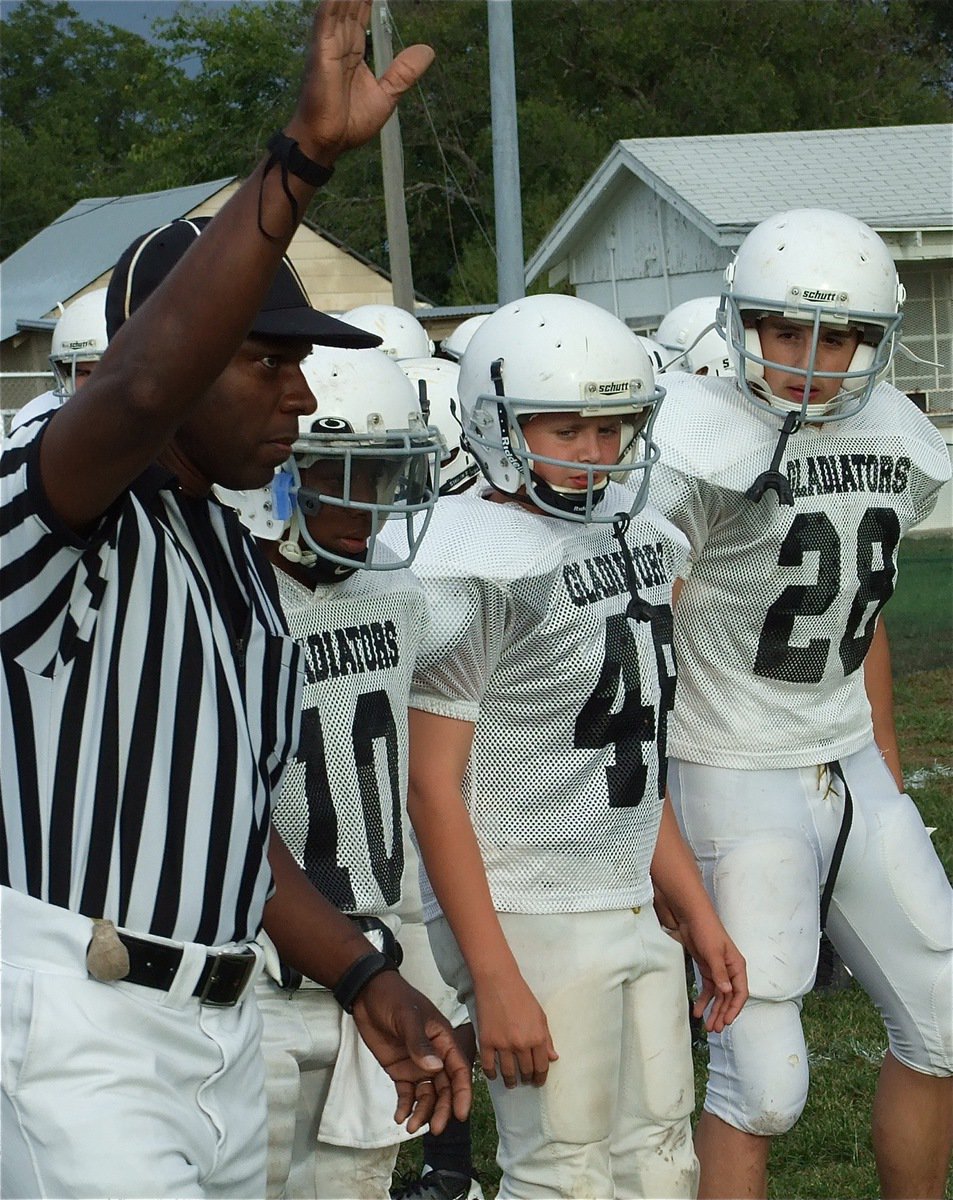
x,y
454,344
367,413
402,334
659,356
690,334
551,353
440,378
78,336
819,267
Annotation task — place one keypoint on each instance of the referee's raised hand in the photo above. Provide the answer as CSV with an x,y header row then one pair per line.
x,y
342,104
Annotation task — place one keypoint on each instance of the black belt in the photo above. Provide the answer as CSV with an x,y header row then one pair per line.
x,y
221,984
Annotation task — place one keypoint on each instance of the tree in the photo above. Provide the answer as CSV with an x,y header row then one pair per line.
x,y
77,98
244,68
588,74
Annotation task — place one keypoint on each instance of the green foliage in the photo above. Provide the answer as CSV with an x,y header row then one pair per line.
x,y
244,66
88,109
77,99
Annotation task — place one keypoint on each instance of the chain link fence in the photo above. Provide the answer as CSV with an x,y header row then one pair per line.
x,y
18,388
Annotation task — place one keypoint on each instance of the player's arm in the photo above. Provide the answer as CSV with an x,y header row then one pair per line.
x,y
697,927
405,1032
513,1029
878,681
168,353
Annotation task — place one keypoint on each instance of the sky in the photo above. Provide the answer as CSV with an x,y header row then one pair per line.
x,y
135,15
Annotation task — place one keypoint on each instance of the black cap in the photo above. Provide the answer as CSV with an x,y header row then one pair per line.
x,y
286,311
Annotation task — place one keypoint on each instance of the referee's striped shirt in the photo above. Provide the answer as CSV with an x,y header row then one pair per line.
x,y
150,701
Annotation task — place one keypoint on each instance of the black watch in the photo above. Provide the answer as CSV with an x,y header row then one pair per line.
x,y
285,150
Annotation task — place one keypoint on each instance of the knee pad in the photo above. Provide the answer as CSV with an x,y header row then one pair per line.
x,y
915,875
892,922
758,1072
766,893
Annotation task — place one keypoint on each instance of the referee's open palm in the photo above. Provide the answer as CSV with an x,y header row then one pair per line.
x,y
342,104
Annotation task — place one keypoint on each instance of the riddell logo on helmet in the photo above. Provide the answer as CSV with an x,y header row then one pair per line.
x,y
819,297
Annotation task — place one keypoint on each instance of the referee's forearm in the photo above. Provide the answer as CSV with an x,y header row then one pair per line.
x,y
309,933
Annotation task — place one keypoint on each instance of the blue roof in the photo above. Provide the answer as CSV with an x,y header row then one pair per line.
x,y
79,246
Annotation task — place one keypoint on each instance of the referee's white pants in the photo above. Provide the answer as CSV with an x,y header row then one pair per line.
x,y
613,1118
112,1089
763,841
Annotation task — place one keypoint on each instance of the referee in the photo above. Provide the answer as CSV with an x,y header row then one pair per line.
x,y
150,702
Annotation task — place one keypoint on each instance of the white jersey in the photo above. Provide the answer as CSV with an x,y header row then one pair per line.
x,y
776,617
570,697
343,803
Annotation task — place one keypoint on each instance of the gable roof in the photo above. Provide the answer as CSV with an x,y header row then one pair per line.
x,y
81,244
892,177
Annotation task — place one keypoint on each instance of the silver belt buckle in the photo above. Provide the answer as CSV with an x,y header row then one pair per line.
x,y
227,978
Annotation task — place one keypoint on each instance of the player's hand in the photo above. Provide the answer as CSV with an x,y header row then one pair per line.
x,y
416,1047
514,1033
721,965
342,104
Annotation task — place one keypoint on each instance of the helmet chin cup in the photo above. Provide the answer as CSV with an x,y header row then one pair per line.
x,y
753,368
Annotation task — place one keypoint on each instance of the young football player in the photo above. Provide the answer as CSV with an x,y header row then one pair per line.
x,y
455,343
448,1170
538,729
794,483
359,615
79,342
692,340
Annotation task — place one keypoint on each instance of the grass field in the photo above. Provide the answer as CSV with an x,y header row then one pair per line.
x,y
828,1154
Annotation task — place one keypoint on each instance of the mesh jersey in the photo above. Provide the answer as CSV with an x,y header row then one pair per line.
x,y
341,809
570,698
779,610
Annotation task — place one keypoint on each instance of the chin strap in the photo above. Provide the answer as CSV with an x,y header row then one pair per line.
x,y
774,479
570,502
290,546
638,609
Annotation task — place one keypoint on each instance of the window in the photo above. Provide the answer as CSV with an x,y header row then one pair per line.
x,y
928,331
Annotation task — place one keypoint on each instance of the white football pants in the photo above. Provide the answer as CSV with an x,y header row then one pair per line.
x,y
331,1128
763,841
613,1118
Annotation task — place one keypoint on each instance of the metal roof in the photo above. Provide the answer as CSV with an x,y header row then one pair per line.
x,y
896,177
80,245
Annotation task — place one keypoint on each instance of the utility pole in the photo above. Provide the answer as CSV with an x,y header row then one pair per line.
x,y
510,278
392,163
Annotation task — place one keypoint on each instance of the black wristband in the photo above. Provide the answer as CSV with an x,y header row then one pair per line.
x,y
358,975
285,150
